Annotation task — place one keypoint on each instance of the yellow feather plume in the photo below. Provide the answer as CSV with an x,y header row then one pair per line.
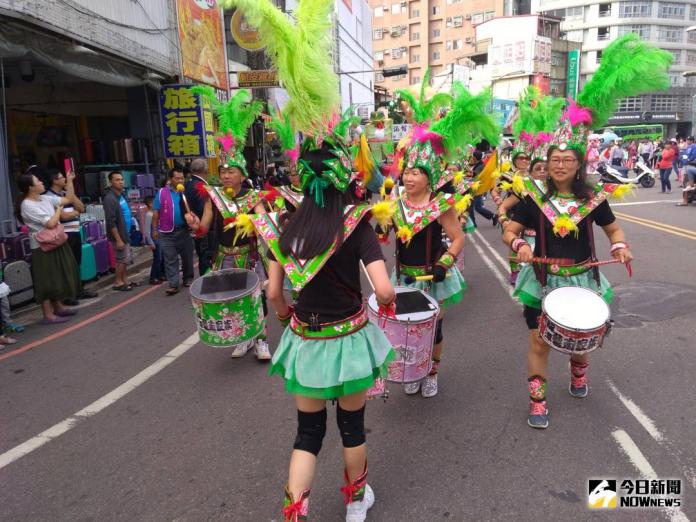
x,y
404,234
488,175
383,212
518,184
475,186
564,226
506,186
505,167
363,160
621,191
458,177
463,204
245,226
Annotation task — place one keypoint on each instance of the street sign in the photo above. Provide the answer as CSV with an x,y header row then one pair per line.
x,y
187,123
257,79
573,73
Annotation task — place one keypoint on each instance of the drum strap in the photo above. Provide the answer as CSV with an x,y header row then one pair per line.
x,y
540,269
590,238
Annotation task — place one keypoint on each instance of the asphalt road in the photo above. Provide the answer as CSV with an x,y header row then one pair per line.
x,y
123,418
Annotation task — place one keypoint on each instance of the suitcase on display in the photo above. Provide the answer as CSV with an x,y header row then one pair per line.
x,y
17,275
145,181
88,265
17,246
147,192
93,230
87,149
141,150
97,211
128,176
128,150
112,256
83,233
92,186
101,155
104,179
101,255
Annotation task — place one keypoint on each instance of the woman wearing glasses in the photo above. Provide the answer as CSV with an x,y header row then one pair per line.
x,y
561,210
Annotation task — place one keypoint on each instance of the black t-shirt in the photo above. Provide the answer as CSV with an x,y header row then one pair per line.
x,y
226,237
415,253
335,293
527,213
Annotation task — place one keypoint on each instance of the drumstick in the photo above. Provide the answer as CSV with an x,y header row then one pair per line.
x,y
362,265
409,280
560,261
629,268
180,189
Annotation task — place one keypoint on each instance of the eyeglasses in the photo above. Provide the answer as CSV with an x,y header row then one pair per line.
x,y
563,161
522,158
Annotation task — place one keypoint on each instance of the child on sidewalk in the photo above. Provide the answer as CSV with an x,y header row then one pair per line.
x,y
157,269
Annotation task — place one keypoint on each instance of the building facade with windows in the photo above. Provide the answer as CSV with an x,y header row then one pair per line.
x,y
596,23
425,33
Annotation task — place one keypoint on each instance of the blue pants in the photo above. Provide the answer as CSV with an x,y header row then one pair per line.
x,y
478,207
664,179
157,268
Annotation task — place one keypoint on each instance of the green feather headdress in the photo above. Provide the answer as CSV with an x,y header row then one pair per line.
x,y
425,110
282,126
347,119
301,53
537,118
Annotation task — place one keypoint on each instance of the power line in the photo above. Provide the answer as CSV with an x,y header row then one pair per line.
x,y
92,14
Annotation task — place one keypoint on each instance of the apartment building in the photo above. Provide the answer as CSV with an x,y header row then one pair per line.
x,y
424,33
596,23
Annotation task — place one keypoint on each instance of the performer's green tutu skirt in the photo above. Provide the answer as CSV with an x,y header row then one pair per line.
x,y
446,293
339,359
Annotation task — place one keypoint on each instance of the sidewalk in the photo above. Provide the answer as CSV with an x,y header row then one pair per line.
x,y
142,257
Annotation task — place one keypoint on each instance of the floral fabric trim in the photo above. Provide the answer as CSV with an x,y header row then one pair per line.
x,y
229,207
329,330
291,196
414,220
302,271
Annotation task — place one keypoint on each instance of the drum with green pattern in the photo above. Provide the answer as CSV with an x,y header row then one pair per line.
x,y
227,307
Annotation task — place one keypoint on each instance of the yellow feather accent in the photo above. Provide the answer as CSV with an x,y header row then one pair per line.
x,y
621,191
401,164
506,186
404,234
488,175
458,177
505,167
388,183
462,205
245,226
564,226
475,186
518,184
363,160
383,212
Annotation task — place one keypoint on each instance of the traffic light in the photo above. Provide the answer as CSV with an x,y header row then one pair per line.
x,y
394,71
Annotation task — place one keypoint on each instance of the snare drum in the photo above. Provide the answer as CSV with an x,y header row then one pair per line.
x,y
227,306
411,333
574,320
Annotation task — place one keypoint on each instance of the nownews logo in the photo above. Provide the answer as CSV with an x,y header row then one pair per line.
x,y
640,493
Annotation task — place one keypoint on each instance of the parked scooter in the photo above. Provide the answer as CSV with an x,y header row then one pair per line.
x,y
611,174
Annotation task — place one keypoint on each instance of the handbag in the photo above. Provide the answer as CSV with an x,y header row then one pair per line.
x,y
51,238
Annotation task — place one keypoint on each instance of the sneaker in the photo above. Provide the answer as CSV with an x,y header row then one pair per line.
x,y
412,388
578,386
357,511
241,349
261,350
494,219
14,328
538,415
429,388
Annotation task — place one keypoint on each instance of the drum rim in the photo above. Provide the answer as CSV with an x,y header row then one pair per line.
x,y
572,328
246,293
432,300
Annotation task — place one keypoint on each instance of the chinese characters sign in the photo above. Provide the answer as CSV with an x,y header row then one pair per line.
x,y
526,56
187,123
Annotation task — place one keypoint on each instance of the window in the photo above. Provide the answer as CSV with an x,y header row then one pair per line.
x,y
557,59
378,34
663,102
436,33
691,37
677,55
379,77
415,13
398,30
675,79
379,56
457,44
599,57
448,45
488,15
436,10
604,10
436,55
574,12
398,52
692,12
415,36
415,80
458,21
666,33
632,104
379,11
671,10
603,33
476,18
690,81
690,57
641,30
450,2
415,58
635,9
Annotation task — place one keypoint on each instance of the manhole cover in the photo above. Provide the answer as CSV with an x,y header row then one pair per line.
x,y
642,302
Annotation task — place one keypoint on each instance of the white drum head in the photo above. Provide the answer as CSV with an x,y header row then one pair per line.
x,y
575,307
413,317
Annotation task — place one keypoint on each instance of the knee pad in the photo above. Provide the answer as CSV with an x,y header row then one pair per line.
x,y
264,304
311,428
531,317
351,425
438,331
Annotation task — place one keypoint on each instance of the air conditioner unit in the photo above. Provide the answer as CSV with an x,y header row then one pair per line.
x,y
467,17
387,52
469,39
404,4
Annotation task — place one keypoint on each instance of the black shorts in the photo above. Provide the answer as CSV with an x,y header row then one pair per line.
x,y
531,316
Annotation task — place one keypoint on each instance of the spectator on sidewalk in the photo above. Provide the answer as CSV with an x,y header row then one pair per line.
x,y
118,222
665,166
689,159
170,222
196,196
157,268
53,272
4,319
646,149
70,219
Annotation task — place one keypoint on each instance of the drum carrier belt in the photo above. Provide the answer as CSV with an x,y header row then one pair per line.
x,y
347,326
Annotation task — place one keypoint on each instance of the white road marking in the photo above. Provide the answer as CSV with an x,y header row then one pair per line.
x,y
99,405
639,415
500,277
632,203
503,262
639,461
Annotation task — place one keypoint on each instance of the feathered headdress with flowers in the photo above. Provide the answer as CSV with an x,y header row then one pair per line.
x,y
234,120
629,67
283,128
537,118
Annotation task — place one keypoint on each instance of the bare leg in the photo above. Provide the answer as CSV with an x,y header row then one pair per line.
x,y
355,458
303,463
538,356
47,309
57,306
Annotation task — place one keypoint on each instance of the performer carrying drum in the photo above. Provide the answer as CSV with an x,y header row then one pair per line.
x,y
563,209
227,208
